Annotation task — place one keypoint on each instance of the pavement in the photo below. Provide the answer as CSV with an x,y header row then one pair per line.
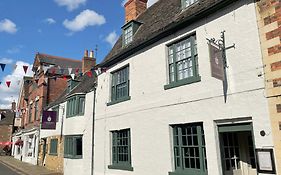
x,y
22,168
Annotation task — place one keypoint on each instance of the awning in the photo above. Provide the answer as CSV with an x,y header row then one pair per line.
x,y
6,143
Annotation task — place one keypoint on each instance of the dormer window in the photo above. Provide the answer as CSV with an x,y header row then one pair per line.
x,y
71,84
128,35
129,30
187,3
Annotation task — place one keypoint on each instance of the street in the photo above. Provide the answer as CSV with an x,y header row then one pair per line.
x,y
4,170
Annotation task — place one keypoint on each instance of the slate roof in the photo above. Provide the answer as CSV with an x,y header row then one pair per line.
x,y
7,117
61,64
85,85
158,20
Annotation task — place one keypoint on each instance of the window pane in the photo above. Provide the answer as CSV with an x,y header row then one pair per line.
x,y
78,146
121,147
187,154
120,86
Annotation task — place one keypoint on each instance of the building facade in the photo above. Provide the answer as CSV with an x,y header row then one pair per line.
x,y
160,111
269,17
47,84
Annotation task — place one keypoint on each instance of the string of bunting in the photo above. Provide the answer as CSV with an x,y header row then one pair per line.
x,y
55,72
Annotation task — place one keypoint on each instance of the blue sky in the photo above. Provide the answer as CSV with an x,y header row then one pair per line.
x,y
57,27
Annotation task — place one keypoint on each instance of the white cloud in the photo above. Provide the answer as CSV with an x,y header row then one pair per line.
x,y
8,26
149,3
111,38
71,4
85,19
50,21
6,61
8,95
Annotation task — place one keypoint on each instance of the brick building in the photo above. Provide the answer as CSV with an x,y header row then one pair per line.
x,y
47,84
51,154
269,24
6,126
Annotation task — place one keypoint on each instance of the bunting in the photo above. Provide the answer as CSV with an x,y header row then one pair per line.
x,y
8,83
45,69
2,66
69,70
90,74
25,69
72,76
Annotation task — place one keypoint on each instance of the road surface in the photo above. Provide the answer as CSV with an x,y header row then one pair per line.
x,y
4,170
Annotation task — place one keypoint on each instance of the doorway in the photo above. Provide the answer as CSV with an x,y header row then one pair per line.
x,y
238,156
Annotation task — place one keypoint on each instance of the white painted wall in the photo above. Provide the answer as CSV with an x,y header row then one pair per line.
x,y
152,110
80,125
44,133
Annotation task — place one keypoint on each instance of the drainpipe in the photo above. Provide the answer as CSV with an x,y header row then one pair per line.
x,y
93,131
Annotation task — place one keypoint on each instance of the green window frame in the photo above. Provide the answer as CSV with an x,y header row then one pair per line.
x,y
183,62
120,85
189,149
121,150
75,106
188,3
128,34
73,147
53,147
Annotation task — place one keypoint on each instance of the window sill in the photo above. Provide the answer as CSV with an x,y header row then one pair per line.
x,y
76,115
119,101
53,154
121,167
183,82
73,157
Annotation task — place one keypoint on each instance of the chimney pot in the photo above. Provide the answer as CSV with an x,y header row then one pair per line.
x,y
86,54
92,54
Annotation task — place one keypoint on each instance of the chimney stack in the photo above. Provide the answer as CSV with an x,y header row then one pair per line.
x,y
13,106
88,62
133,8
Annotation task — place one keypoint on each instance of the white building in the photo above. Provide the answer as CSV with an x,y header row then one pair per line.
x,y
159,110
25,147
78,127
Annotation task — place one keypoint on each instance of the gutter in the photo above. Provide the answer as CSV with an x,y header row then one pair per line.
x,y
170,29
93,131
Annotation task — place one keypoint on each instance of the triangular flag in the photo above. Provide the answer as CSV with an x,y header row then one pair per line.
x,y
8,83
103,70
61,71
46,80
53,70
25,69
89,73
64,77
45,69
2,66
77,71
72,76
69,70
0,82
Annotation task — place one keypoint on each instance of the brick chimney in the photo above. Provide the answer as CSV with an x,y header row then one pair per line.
x,y
133,8
13,106
88,62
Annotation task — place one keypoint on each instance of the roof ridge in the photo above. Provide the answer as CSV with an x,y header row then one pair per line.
x,y
58,57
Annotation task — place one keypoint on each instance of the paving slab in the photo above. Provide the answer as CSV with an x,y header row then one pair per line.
x,y
25,168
